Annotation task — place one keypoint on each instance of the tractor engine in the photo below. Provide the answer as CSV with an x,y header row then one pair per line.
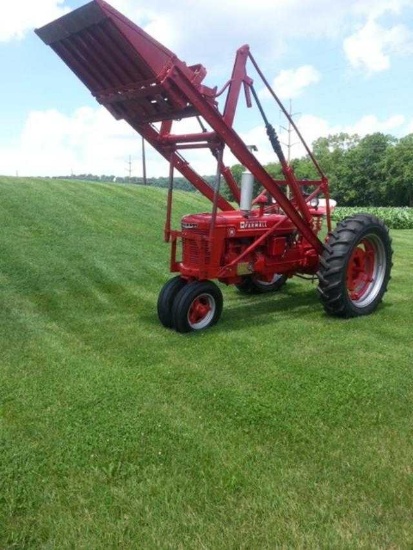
x,y
226,248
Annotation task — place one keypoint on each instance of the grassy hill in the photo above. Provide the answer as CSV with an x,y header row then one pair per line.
x,y
279,427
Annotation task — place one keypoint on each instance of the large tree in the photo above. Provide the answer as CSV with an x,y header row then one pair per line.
x,y
398,166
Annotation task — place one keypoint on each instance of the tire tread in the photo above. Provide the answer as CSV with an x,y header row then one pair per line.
x,y
340,243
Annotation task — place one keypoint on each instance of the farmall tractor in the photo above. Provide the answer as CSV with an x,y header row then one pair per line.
x,y
255,243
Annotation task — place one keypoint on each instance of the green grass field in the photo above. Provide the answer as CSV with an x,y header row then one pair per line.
x,y
278,428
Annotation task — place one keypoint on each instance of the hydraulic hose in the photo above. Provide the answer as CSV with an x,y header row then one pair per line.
x,y
271,133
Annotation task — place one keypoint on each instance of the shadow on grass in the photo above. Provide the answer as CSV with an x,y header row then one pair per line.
x,y
244,311
288,304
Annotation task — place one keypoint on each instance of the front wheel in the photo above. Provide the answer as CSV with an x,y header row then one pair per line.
x,y
197,306
166,299
355,266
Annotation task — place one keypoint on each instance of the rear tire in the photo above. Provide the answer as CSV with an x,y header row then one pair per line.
x,y
197,306
355,266
166,299
251,284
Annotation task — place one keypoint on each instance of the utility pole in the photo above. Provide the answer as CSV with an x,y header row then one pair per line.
x,y
289,131
143,161
129,168
290,144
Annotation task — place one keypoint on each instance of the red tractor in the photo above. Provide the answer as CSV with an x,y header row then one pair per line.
x,y
264,240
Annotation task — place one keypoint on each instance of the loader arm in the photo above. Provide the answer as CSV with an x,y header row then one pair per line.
x,y
139,80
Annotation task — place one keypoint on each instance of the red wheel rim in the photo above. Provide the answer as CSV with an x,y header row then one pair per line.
x,y
360,269
201,311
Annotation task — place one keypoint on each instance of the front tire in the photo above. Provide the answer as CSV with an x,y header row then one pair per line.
x,y
197,306
166,299
355,266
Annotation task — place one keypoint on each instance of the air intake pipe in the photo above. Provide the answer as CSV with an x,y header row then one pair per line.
x,y
247,187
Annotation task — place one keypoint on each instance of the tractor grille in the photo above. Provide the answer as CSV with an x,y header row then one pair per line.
x,y
195,250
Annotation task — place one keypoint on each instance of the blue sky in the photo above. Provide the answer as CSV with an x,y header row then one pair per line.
x,y
346,65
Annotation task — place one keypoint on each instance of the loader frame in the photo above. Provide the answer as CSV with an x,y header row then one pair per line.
x,y
129,72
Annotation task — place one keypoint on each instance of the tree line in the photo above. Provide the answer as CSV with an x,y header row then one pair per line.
x,y
179,182
376,170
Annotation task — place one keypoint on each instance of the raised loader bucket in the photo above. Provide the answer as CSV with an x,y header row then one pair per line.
x,y
123,67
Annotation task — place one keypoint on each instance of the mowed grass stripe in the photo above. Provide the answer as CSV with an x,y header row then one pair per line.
x,y
279,427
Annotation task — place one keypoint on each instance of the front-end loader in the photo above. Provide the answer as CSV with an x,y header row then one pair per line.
x,y
253,242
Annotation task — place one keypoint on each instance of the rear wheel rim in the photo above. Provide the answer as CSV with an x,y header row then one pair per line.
x,y
366,270
276,277
201,311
